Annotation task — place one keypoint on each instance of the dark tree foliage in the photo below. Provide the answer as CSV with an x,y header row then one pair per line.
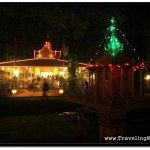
x,y
81,25
73,22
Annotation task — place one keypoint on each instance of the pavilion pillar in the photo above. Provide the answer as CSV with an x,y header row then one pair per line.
x,y
23,77
99,83
89,78
111,89
112,124
129,82
95,86
92,80
98,88
141,91
103,83
121,83
33,72
132,86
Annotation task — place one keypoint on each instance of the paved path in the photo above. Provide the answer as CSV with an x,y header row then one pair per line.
x,y
30,93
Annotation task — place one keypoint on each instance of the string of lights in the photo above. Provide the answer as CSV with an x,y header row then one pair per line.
x,y
111,33
131,47
99,46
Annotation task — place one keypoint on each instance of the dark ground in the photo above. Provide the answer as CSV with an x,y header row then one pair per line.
x,y
30,121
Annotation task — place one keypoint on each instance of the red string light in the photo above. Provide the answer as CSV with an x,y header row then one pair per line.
x,y
126,64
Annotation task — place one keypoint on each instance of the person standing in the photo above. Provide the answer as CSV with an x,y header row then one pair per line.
x,y
33,85
86,87
60,82
45,88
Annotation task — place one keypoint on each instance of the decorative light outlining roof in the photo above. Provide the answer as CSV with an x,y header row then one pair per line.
x,y
113,46
48,45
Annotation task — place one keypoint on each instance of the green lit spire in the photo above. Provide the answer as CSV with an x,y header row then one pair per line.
x,y
113,46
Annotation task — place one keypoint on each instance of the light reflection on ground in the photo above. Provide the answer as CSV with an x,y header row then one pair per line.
x,y
67,113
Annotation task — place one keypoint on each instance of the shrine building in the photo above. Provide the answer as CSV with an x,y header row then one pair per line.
x,y
46,62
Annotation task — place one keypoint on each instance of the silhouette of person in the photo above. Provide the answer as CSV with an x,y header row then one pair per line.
x,y
86,87
60,82
34,86
45,88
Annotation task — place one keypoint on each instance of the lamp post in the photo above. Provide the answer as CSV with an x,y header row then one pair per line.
x,y
15,72
147,81
61,91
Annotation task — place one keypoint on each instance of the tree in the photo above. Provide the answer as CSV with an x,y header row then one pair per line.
x,y
76,24
72,21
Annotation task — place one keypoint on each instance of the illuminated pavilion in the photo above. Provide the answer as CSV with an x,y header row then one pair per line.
x,y
46,62
115,85
117,72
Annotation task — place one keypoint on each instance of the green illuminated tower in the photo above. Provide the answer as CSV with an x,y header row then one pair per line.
x,y
113,45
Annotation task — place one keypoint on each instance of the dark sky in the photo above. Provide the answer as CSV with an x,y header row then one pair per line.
x,y
29,24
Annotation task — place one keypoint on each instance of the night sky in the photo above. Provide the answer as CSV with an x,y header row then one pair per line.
x,y
29,23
